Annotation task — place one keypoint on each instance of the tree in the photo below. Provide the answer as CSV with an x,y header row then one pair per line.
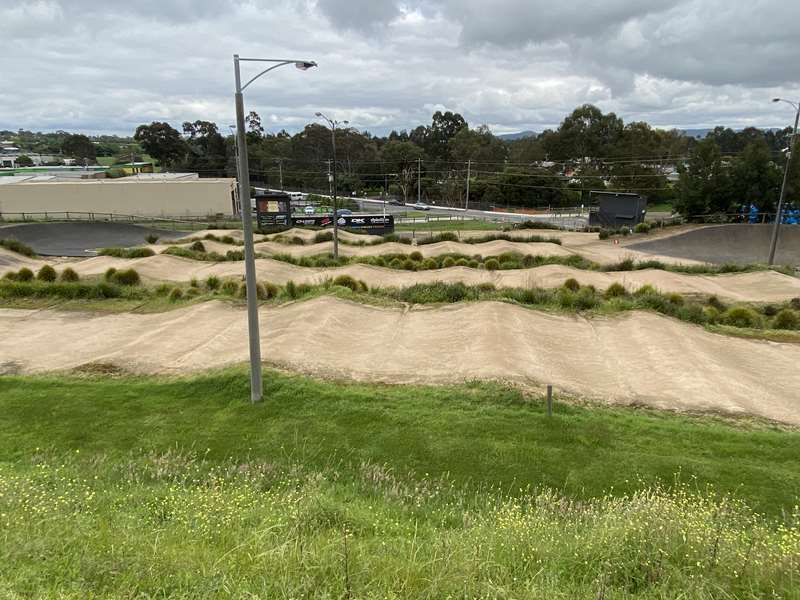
x,y
754,177
704,185
444,127
254,129
401,158
23,160
162,142
79,146
586,133
478,145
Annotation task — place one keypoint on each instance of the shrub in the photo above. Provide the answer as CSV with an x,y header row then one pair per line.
x,y
346,281
268,290
741,316
379,261
716,303
586,298
234,255
424,293
769,310
24,274
395,263
323,236
675,299
786,319
162,289
711,314
193,282
297,240
109,274
448,261
462,262
492,264
193,292
415,255
565,298
176,294
227,239
409,265
18,247
229,287
126,277
693,313
151,238
615,290
571,284
645,290
795,303
126,252
604,234
429,263
473,264
486,287
291,289
625,231
47,273
69,275
197,246
212,282
642,228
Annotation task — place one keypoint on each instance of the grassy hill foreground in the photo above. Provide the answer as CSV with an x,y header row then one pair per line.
x,y
129,487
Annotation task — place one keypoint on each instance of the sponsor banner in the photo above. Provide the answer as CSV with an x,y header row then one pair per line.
x,y
375,224
273,210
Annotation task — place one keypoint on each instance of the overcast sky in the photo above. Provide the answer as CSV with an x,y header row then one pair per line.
x,y
512,64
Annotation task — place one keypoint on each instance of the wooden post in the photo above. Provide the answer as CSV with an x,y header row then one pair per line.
x,y
549,400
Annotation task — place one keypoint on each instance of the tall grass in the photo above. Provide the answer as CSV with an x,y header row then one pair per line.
x,y
17,246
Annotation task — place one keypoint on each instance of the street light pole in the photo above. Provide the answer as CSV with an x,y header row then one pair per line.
x,y
333,124
247,216
776,228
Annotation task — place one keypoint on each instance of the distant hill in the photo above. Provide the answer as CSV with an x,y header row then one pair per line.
x,y
510,137
701,133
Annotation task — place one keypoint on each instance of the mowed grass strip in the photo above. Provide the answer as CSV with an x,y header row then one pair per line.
x,y
478,434
124,487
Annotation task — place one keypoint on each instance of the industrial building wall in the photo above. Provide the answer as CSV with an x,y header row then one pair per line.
x,y
199,197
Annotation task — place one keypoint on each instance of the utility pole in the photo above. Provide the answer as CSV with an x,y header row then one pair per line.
x,y
466,202
280,171
419,180
332,178
774,241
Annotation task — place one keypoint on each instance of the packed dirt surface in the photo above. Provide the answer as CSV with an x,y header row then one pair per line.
x,y
637,358
760,286
735,243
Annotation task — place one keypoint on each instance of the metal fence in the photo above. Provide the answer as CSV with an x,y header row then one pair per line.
x,y
177,223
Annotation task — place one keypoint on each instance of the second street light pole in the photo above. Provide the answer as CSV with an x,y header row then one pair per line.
x,y
332,179
773,245
246,210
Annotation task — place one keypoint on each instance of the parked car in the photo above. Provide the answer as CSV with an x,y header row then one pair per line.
x,y
343,212
420,206
309,210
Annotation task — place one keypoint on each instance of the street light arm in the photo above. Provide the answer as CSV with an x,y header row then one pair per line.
x,y
265,71
302,64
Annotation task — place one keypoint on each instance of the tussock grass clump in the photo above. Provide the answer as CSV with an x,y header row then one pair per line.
x,y
323,236
212,283
66,290
350,282
176,294
151,238
492,264
616,290
194,283
741,316
47,273
642,228
24,274
786,319
127,252
197,246
69,275
17,246
127,277
415,255
571,284
229,287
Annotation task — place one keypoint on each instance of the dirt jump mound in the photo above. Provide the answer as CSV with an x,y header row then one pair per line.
x,y
76,239
737,243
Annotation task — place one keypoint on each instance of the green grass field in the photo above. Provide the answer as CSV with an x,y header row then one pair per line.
x,y
128,487
467,225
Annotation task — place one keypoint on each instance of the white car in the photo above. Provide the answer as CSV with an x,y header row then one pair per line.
x,y
420,206
309,210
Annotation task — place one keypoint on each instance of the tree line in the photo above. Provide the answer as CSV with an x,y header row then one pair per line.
x,y
589,150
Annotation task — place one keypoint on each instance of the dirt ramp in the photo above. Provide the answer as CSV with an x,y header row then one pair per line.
x,y
736,243
634,358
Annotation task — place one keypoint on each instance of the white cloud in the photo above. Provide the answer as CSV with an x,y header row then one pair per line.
x,y
516,64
